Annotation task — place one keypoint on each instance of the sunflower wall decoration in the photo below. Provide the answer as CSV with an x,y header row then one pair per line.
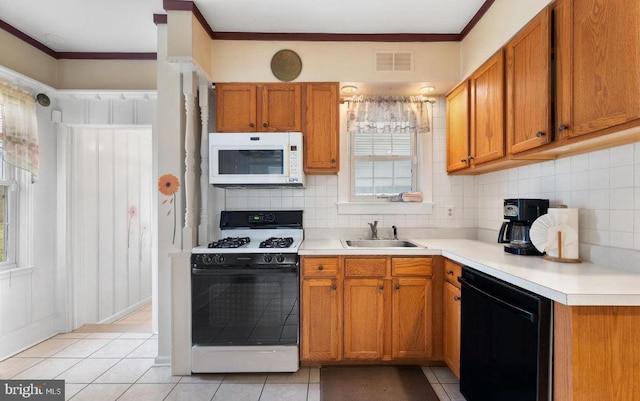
x,y
168,185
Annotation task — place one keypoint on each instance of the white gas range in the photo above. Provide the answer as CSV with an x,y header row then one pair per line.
x,y
245,290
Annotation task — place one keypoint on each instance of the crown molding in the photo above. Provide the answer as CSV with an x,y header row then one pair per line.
x,y
75,55
179,5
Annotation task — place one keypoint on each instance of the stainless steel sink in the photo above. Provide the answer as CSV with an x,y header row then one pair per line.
x,y
379,243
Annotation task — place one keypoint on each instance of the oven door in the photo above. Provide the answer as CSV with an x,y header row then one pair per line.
x,y
245,306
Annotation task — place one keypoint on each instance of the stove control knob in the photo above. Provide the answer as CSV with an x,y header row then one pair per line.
x,y
218,259
207,259
268,258
270,217
280,258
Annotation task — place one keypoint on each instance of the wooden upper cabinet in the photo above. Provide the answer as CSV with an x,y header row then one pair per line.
x,y
458,128
236,107
258,107
281,107
529,86
598,64
321,129
487,110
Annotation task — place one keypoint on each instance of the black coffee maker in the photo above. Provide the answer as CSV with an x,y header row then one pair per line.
x,y
520,214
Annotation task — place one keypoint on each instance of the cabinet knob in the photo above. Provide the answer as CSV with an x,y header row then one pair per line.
x,y
562,127
539,134
320,267
397,286
333,160
456,297
265,125
334,287
469,157
450,272
251,125
463,160
381,287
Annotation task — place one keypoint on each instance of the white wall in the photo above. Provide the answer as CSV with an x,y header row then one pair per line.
x,y
27,297
503,20
110,203
604,185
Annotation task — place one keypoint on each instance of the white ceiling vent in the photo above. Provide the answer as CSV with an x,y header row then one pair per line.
x,y
393,61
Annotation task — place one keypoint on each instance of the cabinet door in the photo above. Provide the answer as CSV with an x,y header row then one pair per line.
x,y
321,133
321,335
364,312
235,107
411,318
529,85
451,343
280,108
458,128
487,110
598,64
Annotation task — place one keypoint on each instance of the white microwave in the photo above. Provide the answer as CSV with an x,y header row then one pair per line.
x,y
266,159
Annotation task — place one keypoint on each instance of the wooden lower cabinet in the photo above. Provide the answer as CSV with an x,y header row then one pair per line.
x,y
387,304
451,315
321,310
451,338
411,318
364,318
596,353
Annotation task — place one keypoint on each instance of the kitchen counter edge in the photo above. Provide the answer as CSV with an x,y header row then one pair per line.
x,y
574,284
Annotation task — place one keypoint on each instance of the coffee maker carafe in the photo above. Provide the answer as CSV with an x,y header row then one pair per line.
x,y
520,213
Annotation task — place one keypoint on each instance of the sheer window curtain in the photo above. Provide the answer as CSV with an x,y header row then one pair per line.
x,y
389,113
19,135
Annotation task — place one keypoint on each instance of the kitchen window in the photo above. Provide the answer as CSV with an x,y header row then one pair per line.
x,y
389,150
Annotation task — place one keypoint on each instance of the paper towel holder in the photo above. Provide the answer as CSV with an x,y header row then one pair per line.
x,y
560,258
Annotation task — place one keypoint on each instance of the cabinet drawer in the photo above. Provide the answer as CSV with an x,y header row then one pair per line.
x,y
452,271
411,266
365,267
319,267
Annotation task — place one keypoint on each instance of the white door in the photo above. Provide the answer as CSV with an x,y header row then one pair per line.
x,y
110,210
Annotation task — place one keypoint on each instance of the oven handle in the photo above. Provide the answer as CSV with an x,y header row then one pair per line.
x,y
195,271
523,313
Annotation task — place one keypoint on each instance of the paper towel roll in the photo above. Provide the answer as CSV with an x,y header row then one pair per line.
x,y
564,220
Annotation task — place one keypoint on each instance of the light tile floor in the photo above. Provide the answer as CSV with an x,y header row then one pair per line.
x,y
111,366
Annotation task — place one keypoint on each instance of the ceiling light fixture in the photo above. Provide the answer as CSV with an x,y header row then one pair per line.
x,y
427,89
349,89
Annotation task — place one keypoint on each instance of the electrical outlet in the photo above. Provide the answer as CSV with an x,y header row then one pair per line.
x,y
448,210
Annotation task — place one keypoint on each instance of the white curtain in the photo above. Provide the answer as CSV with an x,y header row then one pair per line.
x,y
19,129
389,114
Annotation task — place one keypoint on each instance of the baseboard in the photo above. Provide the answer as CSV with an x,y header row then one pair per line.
x,y
27,336
125,312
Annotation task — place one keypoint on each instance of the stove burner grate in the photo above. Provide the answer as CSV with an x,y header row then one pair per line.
x,y
230,242
276,242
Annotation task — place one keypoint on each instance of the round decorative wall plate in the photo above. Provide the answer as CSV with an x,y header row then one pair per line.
x,y
286,65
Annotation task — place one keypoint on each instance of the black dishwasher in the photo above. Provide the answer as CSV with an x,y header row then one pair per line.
x,y
505,350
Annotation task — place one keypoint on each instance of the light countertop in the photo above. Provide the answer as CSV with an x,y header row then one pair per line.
x,y
567,283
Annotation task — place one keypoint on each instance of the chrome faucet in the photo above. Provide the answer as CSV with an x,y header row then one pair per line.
x,y
395,232
374,229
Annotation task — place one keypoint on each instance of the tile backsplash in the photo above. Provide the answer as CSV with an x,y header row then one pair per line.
x,y
604,185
